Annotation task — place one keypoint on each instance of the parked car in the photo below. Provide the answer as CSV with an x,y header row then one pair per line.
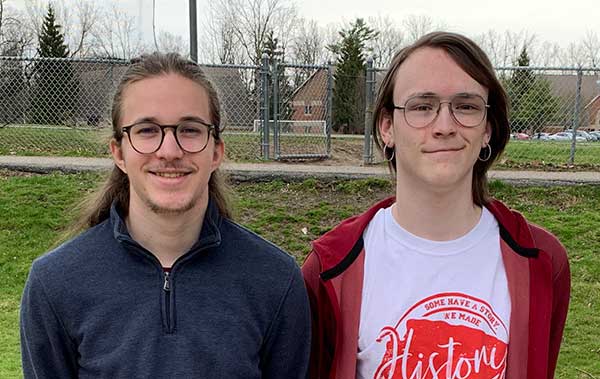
x,y
541,136
565,136
519,136
596,134
583,133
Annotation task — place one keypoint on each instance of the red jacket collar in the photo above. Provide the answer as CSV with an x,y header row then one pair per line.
x,y
334,246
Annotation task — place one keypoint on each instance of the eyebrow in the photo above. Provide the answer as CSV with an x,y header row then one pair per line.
x,y
433,94
182,119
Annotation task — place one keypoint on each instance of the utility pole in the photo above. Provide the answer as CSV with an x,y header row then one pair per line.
x,y
193,32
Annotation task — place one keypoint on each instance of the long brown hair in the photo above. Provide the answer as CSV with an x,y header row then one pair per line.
x,y
96,208
474,62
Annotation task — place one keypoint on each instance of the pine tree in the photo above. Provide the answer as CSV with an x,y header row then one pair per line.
x,y
532,104
349,88
51,39
56,86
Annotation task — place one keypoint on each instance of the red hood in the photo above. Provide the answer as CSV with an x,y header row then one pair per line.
x,y
334,245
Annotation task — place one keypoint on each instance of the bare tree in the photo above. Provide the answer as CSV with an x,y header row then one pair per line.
x,y
15,38
389,40
417,26
591,47
575,55
308,45
503,49
220,41
115,34
252,20
172,43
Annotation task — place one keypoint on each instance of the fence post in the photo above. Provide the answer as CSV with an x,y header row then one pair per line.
x,y
576,117
369,90
264,105
275,75
329,118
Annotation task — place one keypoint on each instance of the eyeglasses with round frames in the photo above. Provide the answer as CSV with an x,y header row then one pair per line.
x,y
146,137
468,110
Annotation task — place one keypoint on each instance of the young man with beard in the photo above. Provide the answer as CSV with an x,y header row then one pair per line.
x,y
163,284
440,281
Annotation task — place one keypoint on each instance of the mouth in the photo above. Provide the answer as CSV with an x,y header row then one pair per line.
x,y
444,150
170,174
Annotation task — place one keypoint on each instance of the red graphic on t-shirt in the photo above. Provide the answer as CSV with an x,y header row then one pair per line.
x,y
447,336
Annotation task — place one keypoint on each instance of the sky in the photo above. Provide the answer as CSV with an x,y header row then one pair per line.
x,y
561,22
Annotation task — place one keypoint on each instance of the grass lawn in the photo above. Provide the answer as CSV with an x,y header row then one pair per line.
x,y
36,207
244,147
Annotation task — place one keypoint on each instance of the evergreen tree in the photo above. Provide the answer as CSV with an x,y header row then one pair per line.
x,y
532,104
277,55
56,86
349,88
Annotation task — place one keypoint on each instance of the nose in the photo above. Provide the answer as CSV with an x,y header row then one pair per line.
x,y
444,124
170,149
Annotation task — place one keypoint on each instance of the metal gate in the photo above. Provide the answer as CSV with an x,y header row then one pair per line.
x,y
301,111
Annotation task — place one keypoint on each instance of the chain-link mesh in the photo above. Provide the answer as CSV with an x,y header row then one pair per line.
x,y
239,92
56,106
546,104
301,111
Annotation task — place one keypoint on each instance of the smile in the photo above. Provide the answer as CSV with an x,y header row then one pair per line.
x,y
443,151
170,174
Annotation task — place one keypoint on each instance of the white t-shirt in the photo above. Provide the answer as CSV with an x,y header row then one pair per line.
x,y
431,309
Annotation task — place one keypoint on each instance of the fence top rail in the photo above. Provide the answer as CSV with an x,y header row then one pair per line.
x,y
518,68
87,60
300,65
542,68
253,67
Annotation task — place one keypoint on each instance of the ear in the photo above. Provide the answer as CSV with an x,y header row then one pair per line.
x,y
117,153
487,134
218,155
386,128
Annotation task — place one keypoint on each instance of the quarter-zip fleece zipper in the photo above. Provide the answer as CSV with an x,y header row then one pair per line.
x,y
213,239
167,290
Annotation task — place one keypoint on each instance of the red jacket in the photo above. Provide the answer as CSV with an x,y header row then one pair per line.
x,y
538,277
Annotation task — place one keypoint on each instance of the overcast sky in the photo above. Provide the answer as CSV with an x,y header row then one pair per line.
x,y
562,22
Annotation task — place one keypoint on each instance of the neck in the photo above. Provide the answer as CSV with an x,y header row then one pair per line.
x,y
437,215
166,236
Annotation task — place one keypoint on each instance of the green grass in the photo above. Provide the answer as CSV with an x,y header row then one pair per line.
x,y
244,147
35,208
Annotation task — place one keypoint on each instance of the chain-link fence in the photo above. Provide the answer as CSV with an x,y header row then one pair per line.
x,y
554,116
60,107
56,106
301,111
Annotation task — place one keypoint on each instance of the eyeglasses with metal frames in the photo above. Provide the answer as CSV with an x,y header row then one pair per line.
x,y
468,110
146,137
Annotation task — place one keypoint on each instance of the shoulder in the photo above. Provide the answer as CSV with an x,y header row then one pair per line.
x,y
253,246
74,253
549,243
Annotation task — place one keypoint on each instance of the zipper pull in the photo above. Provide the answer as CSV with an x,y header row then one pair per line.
x,y
166,285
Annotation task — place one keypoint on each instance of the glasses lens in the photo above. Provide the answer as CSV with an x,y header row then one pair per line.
x,y
468,111
145,137
193,136
420,111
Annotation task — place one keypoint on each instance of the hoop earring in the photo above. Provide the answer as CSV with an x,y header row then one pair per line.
x,y
385,153
486,157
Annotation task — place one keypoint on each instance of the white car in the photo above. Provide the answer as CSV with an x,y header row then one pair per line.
x,y
584,134
565,136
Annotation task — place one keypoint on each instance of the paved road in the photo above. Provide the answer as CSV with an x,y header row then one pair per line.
x,y
271,170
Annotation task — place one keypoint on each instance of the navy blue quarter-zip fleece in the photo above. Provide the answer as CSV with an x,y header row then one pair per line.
x,y
100,306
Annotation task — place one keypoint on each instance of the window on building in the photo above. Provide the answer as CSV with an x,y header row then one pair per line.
x,y
308,109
